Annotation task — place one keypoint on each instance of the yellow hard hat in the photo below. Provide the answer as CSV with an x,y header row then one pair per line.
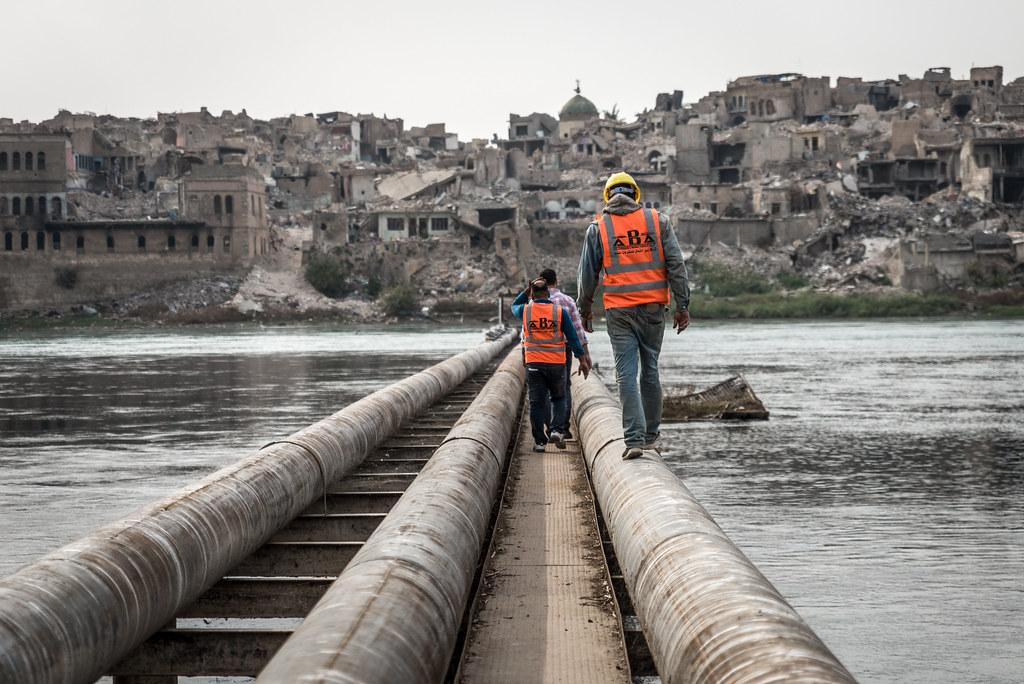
x,y
620,178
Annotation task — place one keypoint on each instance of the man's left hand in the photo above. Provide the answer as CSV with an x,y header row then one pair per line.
x,y
681,321
584,366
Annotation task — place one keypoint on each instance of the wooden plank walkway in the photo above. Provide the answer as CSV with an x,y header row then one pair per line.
x,y
546,612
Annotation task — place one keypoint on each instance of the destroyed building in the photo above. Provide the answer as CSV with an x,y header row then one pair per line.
x,y
803,172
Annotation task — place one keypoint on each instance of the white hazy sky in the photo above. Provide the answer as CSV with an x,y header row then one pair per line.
x,y
464,62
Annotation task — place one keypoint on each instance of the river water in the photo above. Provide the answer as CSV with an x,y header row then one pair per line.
x,y
884,498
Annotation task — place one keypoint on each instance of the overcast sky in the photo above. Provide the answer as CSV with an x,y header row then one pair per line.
x,y
468,62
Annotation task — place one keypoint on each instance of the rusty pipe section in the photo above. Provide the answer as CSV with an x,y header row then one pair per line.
x,y
708,614
76,612
393,615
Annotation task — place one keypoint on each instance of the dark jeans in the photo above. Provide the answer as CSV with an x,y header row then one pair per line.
x,y
568,395
636,333
546,383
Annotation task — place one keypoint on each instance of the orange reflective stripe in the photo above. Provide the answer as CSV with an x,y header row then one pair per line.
x,y
543,340
634,259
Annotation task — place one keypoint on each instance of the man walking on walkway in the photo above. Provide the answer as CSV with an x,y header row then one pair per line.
x,y
563,300
637,251
547,331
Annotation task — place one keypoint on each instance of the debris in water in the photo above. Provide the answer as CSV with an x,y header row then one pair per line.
x,y
730,400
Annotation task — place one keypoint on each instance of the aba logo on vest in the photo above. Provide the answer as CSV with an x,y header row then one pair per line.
x,y
542,323
633,238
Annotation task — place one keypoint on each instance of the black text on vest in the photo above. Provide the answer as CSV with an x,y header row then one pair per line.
x,y
542,323
633,238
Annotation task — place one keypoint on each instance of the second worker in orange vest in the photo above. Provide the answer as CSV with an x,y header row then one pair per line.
x,y
547,333
635,253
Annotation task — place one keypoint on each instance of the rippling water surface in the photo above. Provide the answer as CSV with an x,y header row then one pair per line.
x,y
885,497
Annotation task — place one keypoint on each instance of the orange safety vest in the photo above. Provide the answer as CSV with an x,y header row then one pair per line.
x,y
543,341
634,259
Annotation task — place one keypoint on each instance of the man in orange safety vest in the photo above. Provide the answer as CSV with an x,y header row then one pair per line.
x,y
635,252
547,332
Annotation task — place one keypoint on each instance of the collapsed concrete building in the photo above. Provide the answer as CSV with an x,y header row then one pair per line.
x,y
780,162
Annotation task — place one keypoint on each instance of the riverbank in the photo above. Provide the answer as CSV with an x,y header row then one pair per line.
x,y
810,304
802,304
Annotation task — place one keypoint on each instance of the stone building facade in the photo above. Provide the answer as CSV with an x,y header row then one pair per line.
x,y
232,200
33,179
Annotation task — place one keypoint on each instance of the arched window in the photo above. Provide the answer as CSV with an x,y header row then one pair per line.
x,y
16,206
216,205
655,161
195,241
40,241
41,202
24,241
229,204
16,161
56,239
252,205
3,206
209,243
8,241
56,208
30,206
40,161
142,243
28,161
770,107
80,243
3,161
110,243
172,242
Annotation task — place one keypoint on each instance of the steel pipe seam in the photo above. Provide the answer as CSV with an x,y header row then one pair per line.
x,y
72,615
708,613
393,614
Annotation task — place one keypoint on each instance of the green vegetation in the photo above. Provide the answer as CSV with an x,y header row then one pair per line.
x,y
327,275
374,286
724,281
987,274
723,292
401,300
824,305
792,281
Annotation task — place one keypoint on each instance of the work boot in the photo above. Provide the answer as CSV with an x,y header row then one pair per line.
x,y
653,443
558,438
632,452
539,448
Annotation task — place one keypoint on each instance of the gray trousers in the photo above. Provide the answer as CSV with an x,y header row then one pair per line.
x,y
636,334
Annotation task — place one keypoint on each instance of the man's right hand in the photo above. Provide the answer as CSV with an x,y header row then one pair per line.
x,y
681,321
588,321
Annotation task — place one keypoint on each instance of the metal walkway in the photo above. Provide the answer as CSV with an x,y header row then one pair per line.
x,y
545,611
237,626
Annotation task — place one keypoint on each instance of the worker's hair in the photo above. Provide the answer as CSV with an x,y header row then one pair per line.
x,y
548,274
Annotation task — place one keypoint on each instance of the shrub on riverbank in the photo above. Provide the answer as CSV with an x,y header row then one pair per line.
x,y
327,276
401,300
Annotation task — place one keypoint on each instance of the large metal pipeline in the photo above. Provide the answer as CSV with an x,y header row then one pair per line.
x,y
78,611
393,615
708,614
